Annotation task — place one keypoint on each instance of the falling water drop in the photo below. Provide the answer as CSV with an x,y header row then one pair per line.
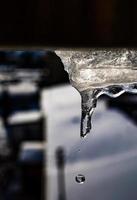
x,y
80,178
95,72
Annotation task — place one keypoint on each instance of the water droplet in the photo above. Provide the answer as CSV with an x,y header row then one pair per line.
x,y
80,178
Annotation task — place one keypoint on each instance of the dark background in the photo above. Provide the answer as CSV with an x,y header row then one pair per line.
x,y
79,23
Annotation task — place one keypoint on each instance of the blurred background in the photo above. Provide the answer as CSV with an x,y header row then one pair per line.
x,y
23,122
41,151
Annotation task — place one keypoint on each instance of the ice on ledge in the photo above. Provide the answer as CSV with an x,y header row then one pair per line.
x,y
95,68
100,71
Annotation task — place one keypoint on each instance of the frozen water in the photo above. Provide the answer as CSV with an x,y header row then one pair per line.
x,y
100,68
100,71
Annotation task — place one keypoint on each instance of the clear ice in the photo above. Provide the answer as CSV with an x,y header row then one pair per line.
x,y
99,71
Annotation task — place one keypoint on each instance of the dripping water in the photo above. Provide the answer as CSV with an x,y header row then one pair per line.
x,y
89,102
94,72
97,72
80,178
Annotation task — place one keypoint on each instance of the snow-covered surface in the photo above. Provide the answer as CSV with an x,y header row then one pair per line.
x,y
107,156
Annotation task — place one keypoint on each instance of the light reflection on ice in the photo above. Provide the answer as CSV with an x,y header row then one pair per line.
x,y
95,72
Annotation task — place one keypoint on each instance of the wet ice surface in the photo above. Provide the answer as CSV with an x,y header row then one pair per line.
x,y
107,158
96,72
91,69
